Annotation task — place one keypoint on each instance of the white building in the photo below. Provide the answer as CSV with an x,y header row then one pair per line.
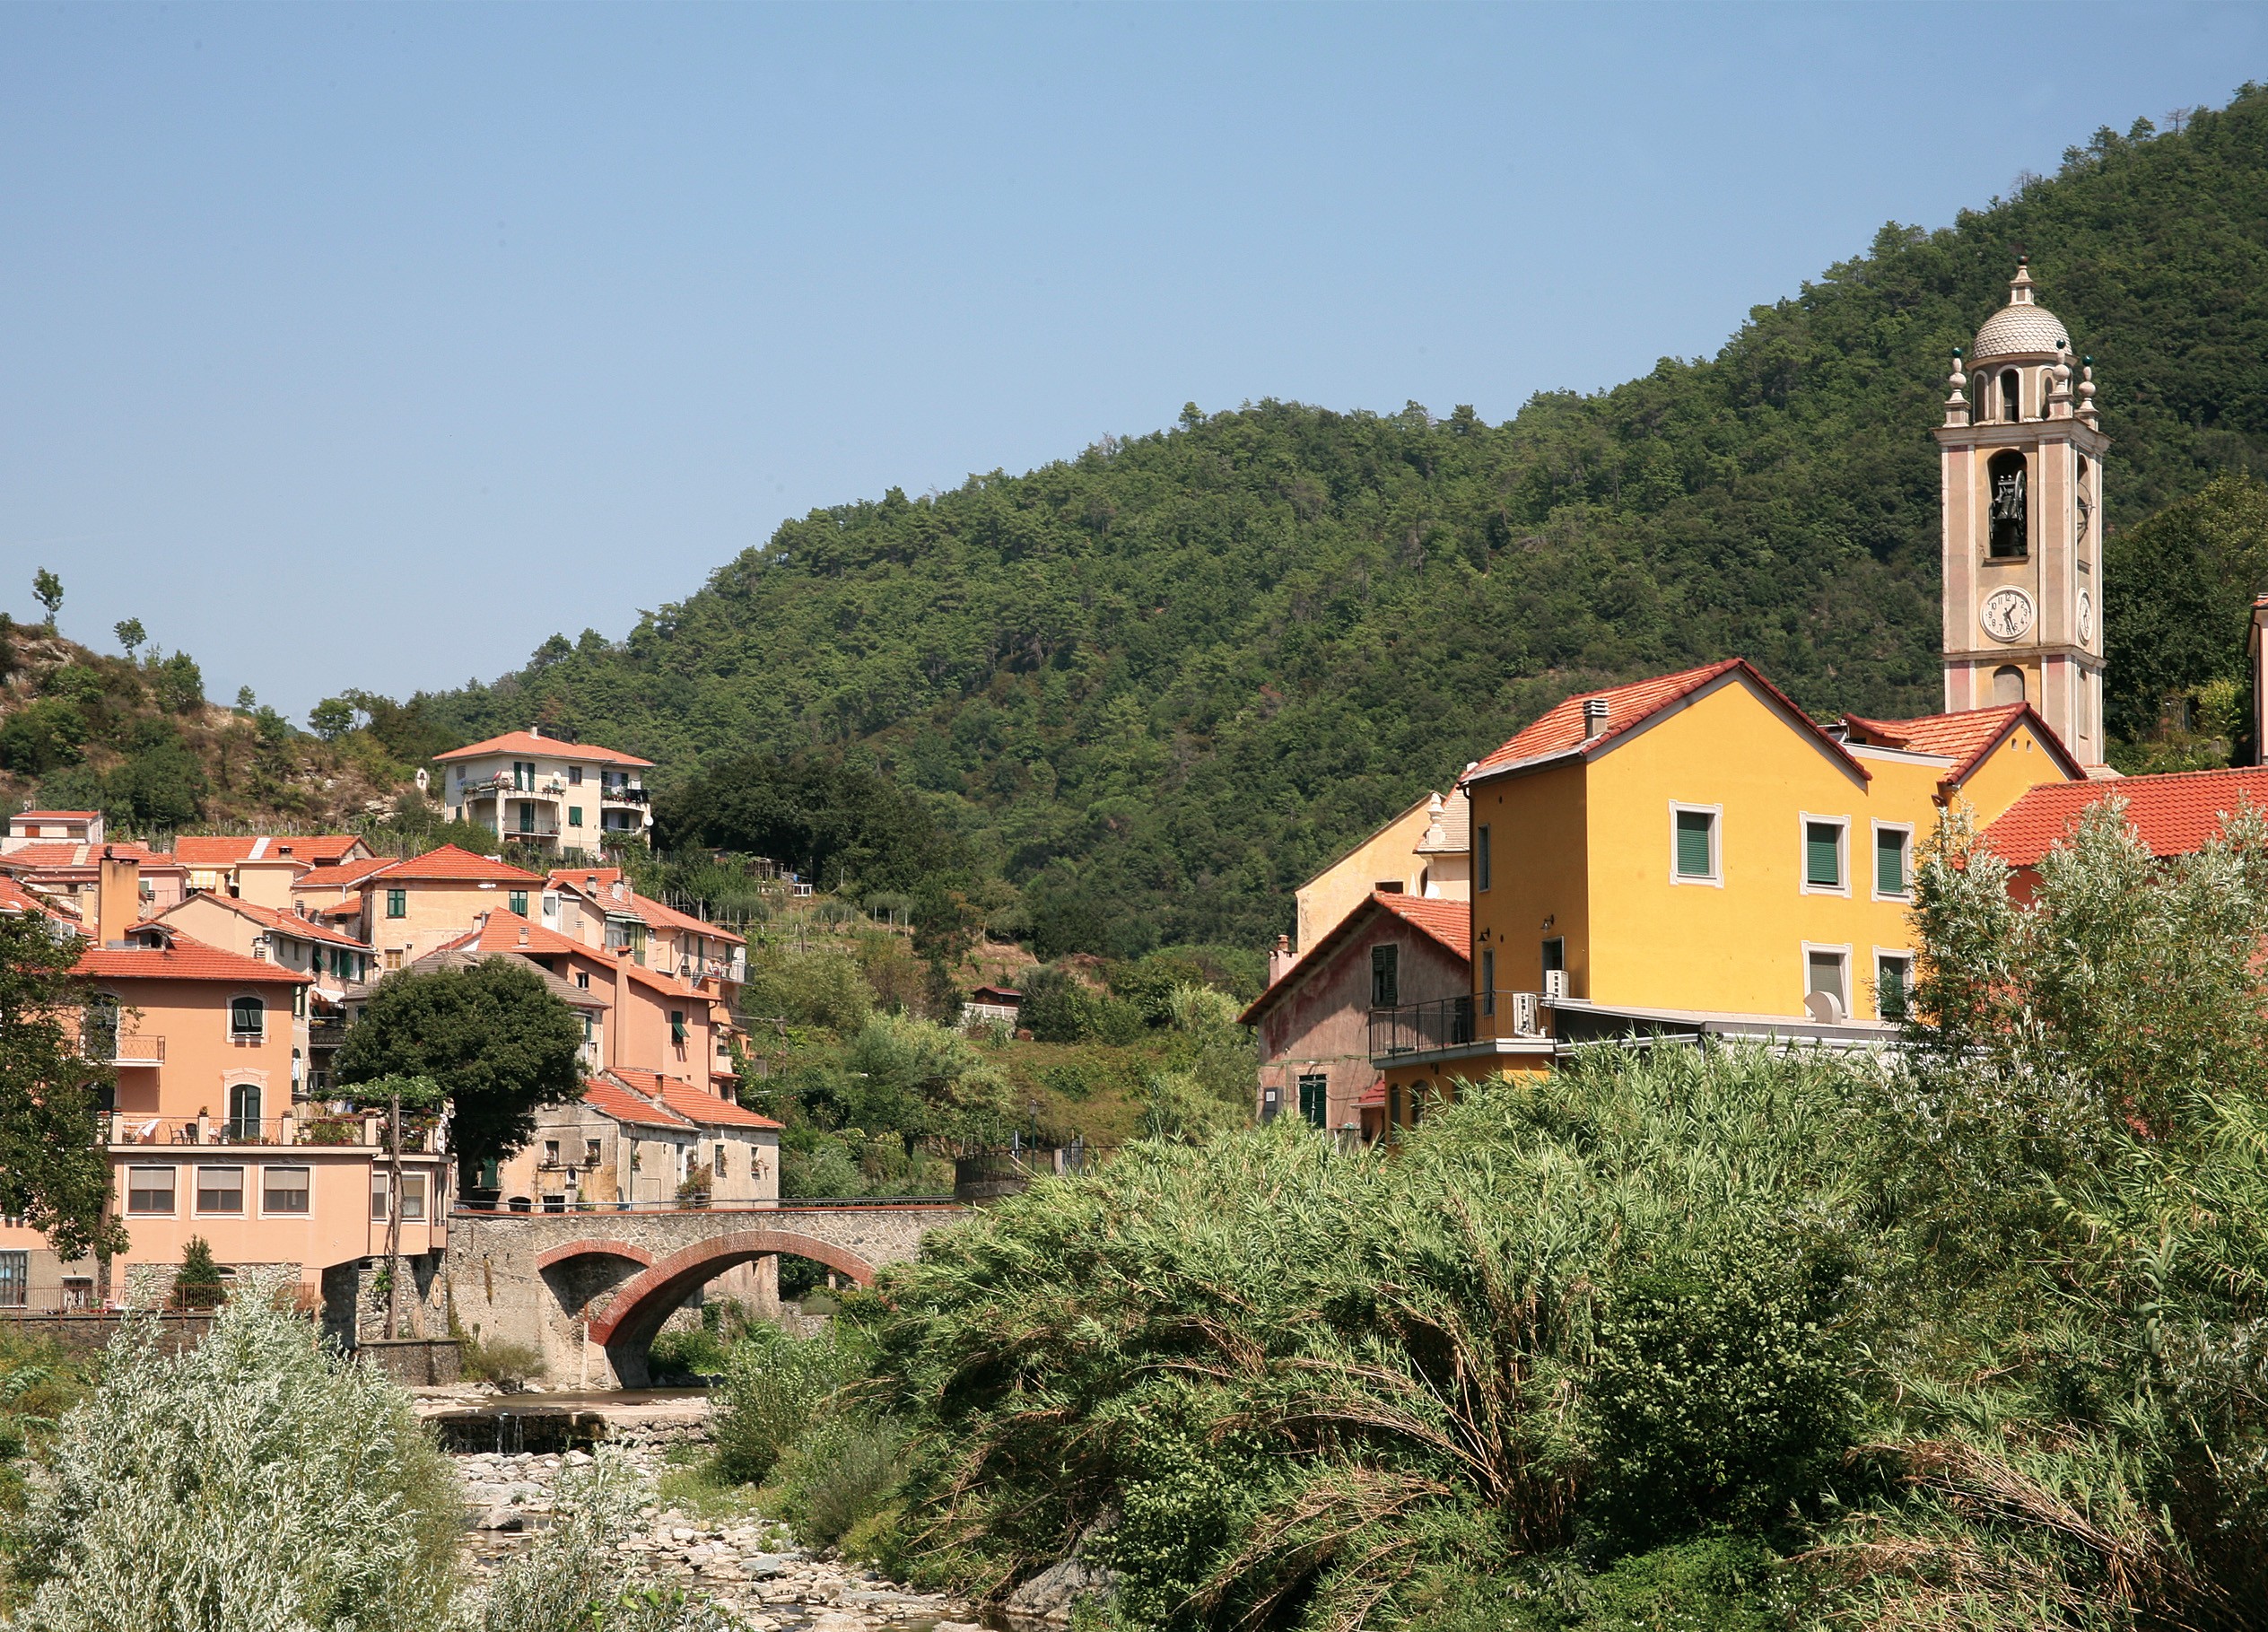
x,y
539,790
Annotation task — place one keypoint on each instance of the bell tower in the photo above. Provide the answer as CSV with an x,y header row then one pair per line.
x,y
2021,457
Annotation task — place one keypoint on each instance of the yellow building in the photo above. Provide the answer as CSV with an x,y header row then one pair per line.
x,y
1693,855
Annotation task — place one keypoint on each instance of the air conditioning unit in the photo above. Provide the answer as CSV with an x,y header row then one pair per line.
x,y
1555,985
1526,1022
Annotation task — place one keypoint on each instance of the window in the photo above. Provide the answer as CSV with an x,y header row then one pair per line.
x,y
220,1190
283,1190
299,993
412,1197
2006,478
517,902
677,1026
575,780
582,979
1823,977
1314,1098
551,1153
378,1196
244,1111
15,1278
1481,870
149,1190
2007,685
1889,859
721,1161
575,816
392,957
2010,405
1385,976
1891,976
590,1153
1554,955
523,776
1823,855
398,903
1488,981
1694,856
247,1018
99,1030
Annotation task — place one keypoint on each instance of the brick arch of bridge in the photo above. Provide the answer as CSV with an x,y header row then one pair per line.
x,y
595,1247
646,1299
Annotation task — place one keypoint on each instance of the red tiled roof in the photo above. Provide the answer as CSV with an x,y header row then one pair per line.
x,y
1965,737
278,920
619,1103
1374,1097
501,932
64,854
2173,815
699,1106
184,960
646,977
15,898
226,850
661,917
339,874
453,861
352,907
1560,730
1447,923
527,742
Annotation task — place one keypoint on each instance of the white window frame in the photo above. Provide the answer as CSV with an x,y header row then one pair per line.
x,y
1843,952
197,1191
308,1190
1805,821
1873,875
173,1208
1715,813
416,1194
1904,956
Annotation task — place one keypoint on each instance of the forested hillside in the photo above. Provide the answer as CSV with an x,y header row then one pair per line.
x,y
1155,686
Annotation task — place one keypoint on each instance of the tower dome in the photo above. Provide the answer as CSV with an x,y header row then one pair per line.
x,y
2021,329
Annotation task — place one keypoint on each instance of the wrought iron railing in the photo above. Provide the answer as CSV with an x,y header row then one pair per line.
x,y
1421,1028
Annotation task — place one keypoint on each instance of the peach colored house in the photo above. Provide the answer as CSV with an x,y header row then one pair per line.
x,y
209,1134
406,909
1314,1021
260,867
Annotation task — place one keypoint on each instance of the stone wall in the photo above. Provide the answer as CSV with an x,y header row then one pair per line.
x,y
418,1362
90,1329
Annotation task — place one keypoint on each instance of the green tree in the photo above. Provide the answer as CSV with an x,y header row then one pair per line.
x,y
42,735
131,634
53,1172
163,784
198,1283
494,1038
180,684
331,718
46,589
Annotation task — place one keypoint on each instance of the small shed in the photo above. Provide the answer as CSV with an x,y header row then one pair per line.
x,y
993,1003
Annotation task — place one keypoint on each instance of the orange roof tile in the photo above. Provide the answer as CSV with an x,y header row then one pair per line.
x,y
58,853
2173,815
340,875
352,907
1559,732
1448,923
552,748
662,917
624,1106
453,862
184,960
694,1104
15,898
1966,737
226,850
277,920
503,931
644,977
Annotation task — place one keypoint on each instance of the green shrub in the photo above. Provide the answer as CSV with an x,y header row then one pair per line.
x,y
258,1480
773,1388
838,1474
42,737
698,1353
499,1360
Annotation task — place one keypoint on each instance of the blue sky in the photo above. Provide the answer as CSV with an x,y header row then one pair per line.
x,y
368,347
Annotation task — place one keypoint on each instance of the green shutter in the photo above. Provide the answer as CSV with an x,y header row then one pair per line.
x,y
1889,861
1821,860
1693,843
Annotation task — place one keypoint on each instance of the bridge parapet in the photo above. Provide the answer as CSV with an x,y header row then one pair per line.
x,y
589,1291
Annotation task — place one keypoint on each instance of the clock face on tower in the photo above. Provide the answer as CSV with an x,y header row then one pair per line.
x,y
2006,615
2086,616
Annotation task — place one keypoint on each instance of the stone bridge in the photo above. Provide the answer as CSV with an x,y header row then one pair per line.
x,y
589,1291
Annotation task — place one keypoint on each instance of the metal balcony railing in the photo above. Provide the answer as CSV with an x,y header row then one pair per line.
x,y
126,1048
321,1129
622,796
1446,1022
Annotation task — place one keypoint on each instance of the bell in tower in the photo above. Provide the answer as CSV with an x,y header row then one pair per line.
x,y
2021,458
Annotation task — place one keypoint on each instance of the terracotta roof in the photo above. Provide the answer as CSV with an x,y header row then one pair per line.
x,y
1966,737
339,874
1008,992
663,917
694,1104
184,960
226,850
1374,1097
552,748
465,957
501,931
1560,730
613,1100
1448,923
59,853
659,983
2173,815
15,898
352,907
277,919
452,861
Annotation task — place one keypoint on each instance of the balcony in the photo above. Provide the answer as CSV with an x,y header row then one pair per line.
x,y
623,795
129,1130
326,1034
127,1048
1447,1022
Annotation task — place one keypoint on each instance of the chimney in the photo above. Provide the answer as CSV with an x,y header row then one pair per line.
x,y
117,898
1594,717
